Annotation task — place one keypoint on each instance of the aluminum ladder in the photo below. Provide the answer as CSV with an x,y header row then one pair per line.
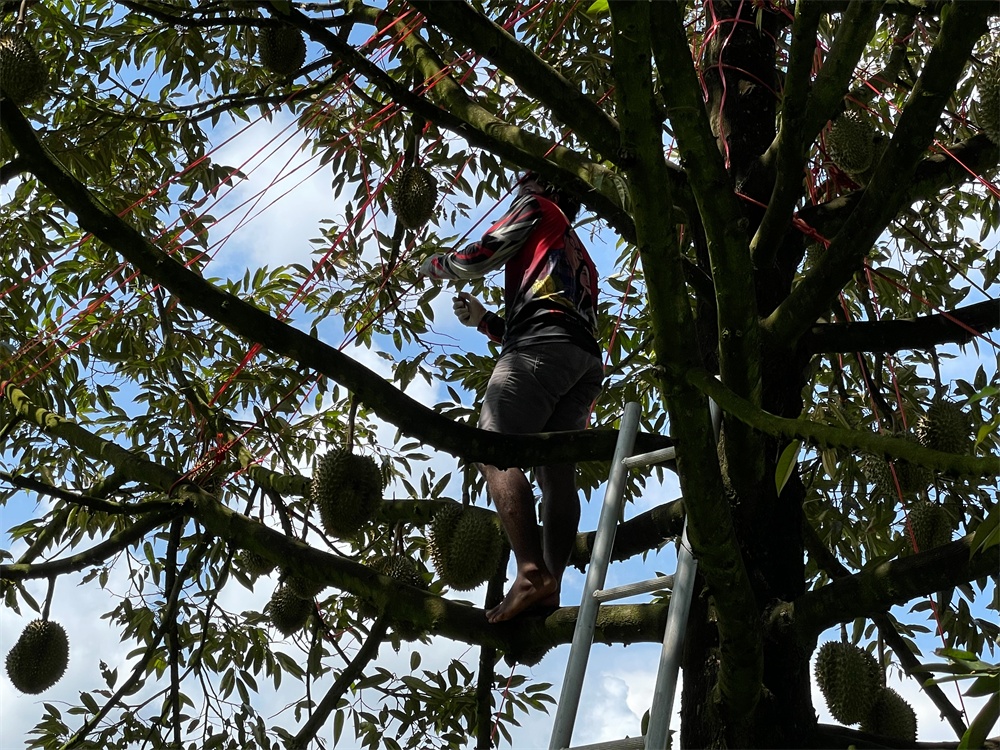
x,y
594,594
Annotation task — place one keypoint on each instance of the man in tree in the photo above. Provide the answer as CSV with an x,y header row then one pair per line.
x,y
547,377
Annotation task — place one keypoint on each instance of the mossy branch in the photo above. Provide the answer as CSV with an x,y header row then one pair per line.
x,y
710,525
857,441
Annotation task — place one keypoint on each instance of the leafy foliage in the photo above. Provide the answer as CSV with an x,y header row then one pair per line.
x,y
169,418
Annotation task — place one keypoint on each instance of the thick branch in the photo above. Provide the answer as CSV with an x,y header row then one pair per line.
x,y
387,401
857,441
956,327
885,194
874,590
430,612
710,526
724,225
532,74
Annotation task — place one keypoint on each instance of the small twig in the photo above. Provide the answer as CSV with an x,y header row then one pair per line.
x,y
48,597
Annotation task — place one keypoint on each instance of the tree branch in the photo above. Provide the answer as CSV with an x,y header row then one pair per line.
x,y
710,525
725,231
97,554
881,201
384,399
875,589
344,680
532,74
857,441
924,332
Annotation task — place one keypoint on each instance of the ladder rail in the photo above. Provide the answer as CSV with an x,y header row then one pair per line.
x,y
600,557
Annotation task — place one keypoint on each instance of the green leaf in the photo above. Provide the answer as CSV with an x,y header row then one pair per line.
x,y
599,8
975,736
988,533
786,464
990,390
983,686
986,429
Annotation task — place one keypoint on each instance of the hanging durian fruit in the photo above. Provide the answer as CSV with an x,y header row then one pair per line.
x,y
945,427
405,570
848,677
930,524
304,588
912,477
851,144
23,75
282,49
414,197
39,658
891,716
466,544
254,564
347,489
988,104
287,611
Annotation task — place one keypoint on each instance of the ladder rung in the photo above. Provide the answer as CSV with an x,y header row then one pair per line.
x,y
631,589
629,743
645,459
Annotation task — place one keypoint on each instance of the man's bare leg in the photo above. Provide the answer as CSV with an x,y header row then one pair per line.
x,y
560,517
534,584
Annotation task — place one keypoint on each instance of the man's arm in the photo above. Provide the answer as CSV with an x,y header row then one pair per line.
x,y
497,246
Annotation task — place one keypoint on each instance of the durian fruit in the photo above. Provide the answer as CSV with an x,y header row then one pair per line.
x,y
254,564
23,75
282,49
930,524
405,569
891,716
347,489
850,143
945,427
414,197
466,545
287,611
988,104
912,477
848,677
401,567
39,658
303,587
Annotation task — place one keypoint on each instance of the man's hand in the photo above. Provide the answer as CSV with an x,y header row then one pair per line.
x,y
468,309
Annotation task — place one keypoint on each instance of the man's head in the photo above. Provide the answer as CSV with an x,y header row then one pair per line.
x,y
532,182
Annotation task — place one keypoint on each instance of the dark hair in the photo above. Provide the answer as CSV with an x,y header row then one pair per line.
x,y
567,202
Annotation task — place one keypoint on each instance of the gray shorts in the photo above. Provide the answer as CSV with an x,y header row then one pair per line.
x,y
541,388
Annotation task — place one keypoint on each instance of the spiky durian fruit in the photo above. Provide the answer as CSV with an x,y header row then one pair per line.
x,y
414,197
891,716
282,49
945,427
347,489
254,564
304,588
850,143
931,525
39,658
401,567
23,75
466,545
848,678
912,477
988,104
287,611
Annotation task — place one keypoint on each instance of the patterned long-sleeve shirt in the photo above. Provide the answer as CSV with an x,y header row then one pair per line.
x,y
550,286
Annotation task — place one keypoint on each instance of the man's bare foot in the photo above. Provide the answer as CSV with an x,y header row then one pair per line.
x,y
530,588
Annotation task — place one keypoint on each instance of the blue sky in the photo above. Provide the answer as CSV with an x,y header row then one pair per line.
x,y
620,679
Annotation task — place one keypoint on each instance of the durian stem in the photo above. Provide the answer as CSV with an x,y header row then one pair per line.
x,y
19,26
48,597
351,417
